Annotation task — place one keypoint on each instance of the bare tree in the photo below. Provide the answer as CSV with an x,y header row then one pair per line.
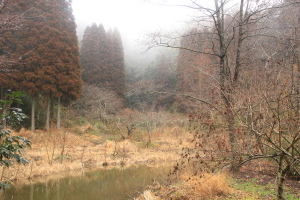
x,y
273,119
230,29
256,45
98,103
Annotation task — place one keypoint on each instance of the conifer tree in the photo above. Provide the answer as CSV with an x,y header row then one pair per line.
x,y
118,66
69,77
13,17
109,68
90,55
50,56
102,59
61,67
18,41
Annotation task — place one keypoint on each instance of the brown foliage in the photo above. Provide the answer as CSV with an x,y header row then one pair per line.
x,y
47,47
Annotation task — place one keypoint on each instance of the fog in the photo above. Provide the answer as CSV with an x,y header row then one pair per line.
x,y
135,19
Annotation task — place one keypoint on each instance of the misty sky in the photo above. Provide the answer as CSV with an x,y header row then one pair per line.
x,y
133,18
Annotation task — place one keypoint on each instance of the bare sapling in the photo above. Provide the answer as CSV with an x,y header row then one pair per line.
x,y
275,121
150,124
17,172
115,148
130,119
31,169
83,151
63,145
51,141
105,155
123,154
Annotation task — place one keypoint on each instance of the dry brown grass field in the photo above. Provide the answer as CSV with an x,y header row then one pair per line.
x,y
59,152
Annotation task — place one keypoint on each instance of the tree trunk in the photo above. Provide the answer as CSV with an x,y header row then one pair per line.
x,y
260,144
48,114
1,93
58,114
33,115
2,97
281,178
227,97
233,141
227,84
239,44
51,109
4,118
129,131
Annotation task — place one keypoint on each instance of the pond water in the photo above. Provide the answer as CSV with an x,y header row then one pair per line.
x,y
112,184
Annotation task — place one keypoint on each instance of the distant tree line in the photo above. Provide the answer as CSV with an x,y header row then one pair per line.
x,y
158,75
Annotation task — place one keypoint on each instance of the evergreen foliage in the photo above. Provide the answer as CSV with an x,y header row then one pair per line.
x,y
45,49
102,59
117,58
48,47
90,55
11,147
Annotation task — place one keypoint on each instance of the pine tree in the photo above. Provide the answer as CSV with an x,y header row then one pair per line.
x,y
90,55
117,58
62,67
69,81
109,65
12,27
50,56
17,42
102,59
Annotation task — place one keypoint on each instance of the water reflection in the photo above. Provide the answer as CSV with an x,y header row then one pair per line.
x,y
113,184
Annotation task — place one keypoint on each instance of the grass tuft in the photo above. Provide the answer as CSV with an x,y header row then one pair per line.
x,y
147,195
208,186
195,187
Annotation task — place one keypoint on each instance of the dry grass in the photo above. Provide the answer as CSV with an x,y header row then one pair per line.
x,y
147,195
90,151
204,187
208,186
174,137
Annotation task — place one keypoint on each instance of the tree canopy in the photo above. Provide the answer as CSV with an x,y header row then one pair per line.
x,y
102,59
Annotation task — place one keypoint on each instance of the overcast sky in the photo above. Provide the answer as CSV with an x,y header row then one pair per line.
x,y
133,18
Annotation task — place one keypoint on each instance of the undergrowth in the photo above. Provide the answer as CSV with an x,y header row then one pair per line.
x,y
250,189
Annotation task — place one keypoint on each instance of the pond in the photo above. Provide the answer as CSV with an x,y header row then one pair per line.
x,y
110,184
